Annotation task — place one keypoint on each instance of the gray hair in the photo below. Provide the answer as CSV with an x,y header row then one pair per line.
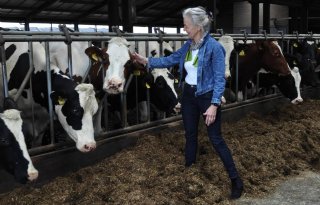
x,y
199,17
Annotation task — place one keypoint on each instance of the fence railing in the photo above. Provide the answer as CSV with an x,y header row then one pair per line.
x,y
175,39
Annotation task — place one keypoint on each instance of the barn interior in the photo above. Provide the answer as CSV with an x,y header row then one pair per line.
x,y
231,16
302,16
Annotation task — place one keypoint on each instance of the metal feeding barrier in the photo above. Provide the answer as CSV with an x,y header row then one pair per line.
x,y
68,37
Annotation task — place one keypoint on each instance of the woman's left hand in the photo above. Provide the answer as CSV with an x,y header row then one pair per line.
x,y
210,115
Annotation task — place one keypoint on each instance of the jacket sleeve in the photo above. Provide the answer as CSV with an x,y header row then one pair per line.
x,y
168,61
218,64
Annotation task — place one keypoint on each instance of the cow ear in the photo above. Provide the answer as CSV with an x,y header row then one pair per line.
x,y
149,79
94,53
9,103
260,44
57,99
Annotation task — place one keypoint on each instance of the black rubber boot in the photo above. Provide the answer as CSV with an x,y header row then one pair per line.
x,y
237,188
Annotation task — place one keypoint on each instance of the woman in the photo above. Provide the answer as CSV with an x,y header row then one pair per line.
x,y
202,67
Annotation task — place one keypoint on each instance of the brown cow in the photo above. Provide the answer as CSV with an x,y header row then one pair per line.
x,y
268,55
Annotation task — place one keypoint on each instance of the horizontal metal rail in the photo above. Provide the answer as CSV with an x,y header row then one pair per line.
x,y
19,36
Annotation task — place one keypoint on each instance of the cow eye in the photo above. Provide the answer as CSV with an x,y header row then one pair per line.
x,y
77,112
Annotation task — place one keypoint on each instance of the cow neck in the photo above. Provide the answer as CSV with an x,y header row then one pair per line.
x,y
95,76
249,63
62,85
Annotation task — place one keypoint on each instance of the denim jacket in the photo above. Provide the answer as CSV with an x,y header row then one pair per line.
x,y
211,66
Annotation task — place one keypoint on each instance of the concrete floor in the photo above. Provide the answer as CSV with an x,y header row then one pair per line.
x,y
302,190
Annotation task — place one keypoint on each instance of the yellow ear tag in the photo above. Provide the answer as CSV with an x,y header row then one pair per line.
x,y
61,100
147,85
94,56
242,53
176,81
295,45
136,72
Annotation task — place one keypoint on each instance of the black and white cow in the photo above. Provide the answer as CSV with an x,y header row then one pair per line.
x,y
14,156
305,52
158,75
153,48
74,104
115,60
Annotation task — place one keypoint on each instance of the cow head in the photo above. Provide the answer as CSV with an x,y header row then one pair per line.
x,y
305,52
272,58
163,94
154,49
117,53
75,111
14,155
228,45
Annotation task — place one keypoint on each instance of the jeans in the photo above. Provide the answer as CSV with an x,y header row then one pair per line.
x,y
192,108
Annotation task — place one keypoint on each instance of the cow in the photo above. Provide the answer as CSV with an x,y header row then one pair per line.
x,y
73,104
166,75
162,91
140,80
228,45
115,60
268,55
14,156
305,52
153,48
110,60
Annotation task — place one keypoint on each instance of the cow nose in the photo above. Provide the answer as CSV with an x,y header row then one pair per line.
x,y
297,101
33,175
114,84
89,147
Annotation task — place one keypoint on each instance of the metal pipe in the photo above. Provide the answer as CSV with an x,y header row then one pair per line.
x,y
84,78
21,38
29,73
237,75
137,99
124,102
4,71
70,60
48,71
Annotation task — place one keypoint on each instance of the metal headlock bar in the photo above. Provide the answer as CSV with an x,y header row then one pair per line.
x,y
69,37
19,36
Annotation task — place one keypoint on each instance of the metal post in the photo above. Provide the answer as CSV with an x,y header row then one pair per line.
x,y
28,76
124,101
160,33
48,70
70,60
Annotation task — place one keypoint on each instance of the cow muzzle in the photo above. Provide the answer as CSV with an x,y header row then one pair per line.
x,y
113,86
296,101
33,175
88,147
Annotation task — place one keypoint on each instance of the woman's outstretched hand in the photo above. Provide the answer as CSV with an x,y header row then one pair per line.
x,y
140,59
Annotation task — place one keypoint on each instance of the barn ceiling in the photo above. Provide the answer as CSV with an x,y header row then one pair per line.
x,y
146,12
